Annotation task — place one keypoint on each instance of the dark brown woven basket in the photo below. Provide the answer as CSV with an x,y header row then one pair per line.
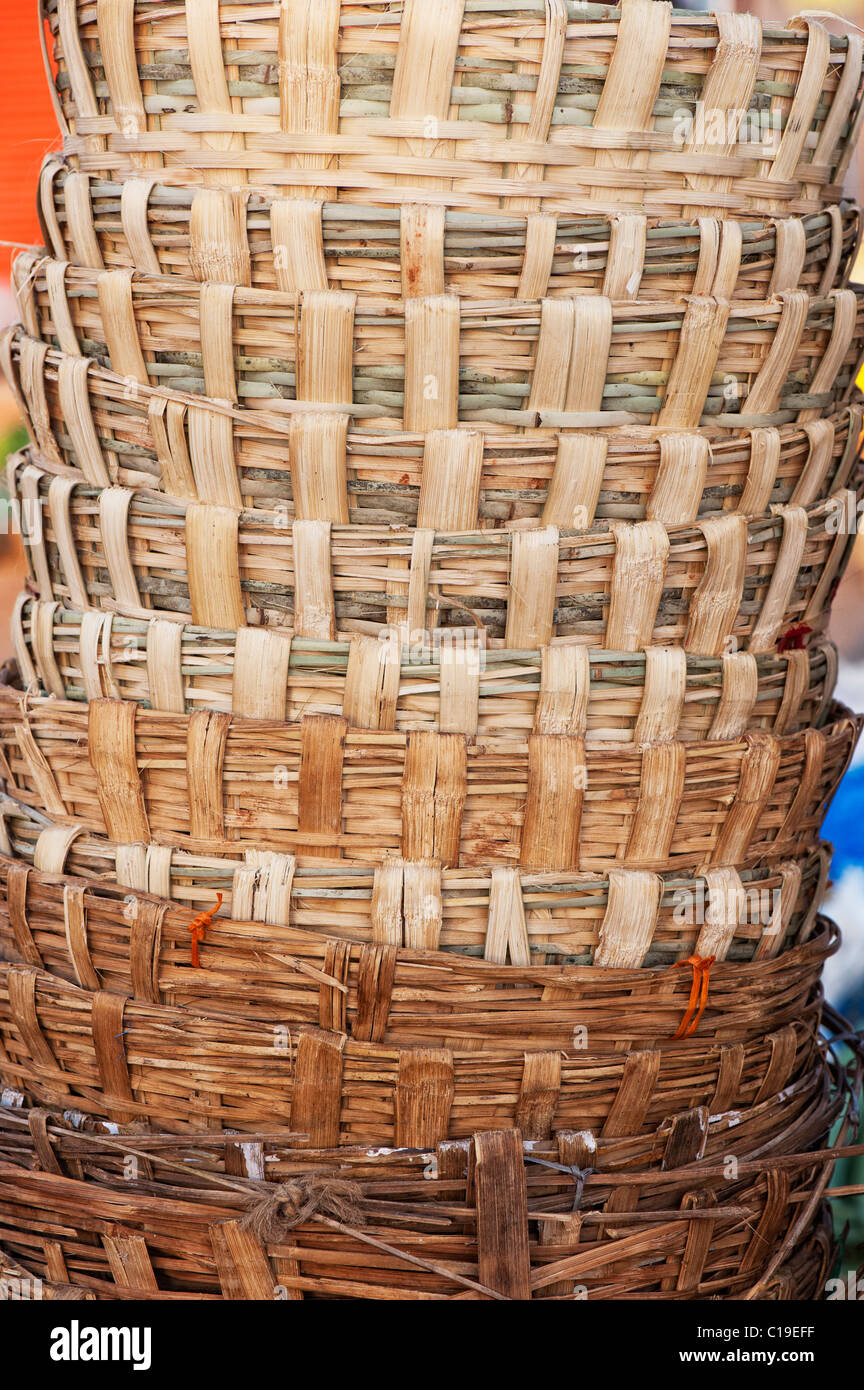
x,y
184,1070
115,1212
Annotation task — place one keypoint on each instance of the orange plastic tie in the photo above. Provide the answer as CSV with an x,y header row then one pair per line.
x,y
199,925
696,1004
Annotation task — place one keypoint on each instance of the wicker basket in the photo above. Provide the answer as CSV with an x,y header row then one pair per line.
x,y
212,783
209,234
146,1216
109,430
184,1070
502,915
435,363
93,655
538,106
713,588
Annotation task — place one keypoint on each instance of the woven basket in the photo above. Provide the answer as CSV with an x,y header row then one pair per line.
x,y
432,364
505,915
212,783
148,1216
181,668
209,234
131,943
184,1070
712,588
536,106
83,418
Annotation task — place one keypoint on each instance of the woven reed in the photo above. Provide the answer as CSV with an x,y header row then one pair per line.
x,y
545,106
107,429
181,668
507,915
184,1070
712,588
436,362
210,782
176,1217
203,234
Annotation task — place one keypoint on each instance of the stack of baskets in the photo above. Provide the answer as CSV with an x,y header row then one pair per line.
x,y
443,451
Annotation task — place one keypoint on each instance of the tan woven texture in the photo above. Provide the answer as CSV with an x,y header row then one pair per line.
x,y
503,915
332,466
444,451
381,252
723,584
444,685
543,106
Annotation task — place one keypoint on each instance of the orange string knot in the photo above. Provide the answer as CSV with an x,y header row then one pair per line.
x,y
701,967
199,925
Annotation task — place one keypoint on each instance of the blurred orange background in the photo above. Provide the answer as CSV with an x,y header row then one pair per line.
x,y
28,129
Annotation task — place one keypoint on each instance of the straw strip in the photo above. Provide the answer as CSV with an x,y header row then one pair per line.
x,y
260,687
764,394
432,328
702,337
118,320
218,242
557,779
314,609
319,478
297,236
114,504
206,736
164,641
134,219
663,701
641,555
660,791
210,454
59,494
576,483
167,421
78,416
717,601
627,928
680,480
533,577
372,682
421,250
433,797
789,561
325,357
212,564
112,755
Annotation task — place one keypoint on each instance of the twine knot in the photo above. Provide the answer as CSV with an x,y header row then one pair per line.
x,y
272,1215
